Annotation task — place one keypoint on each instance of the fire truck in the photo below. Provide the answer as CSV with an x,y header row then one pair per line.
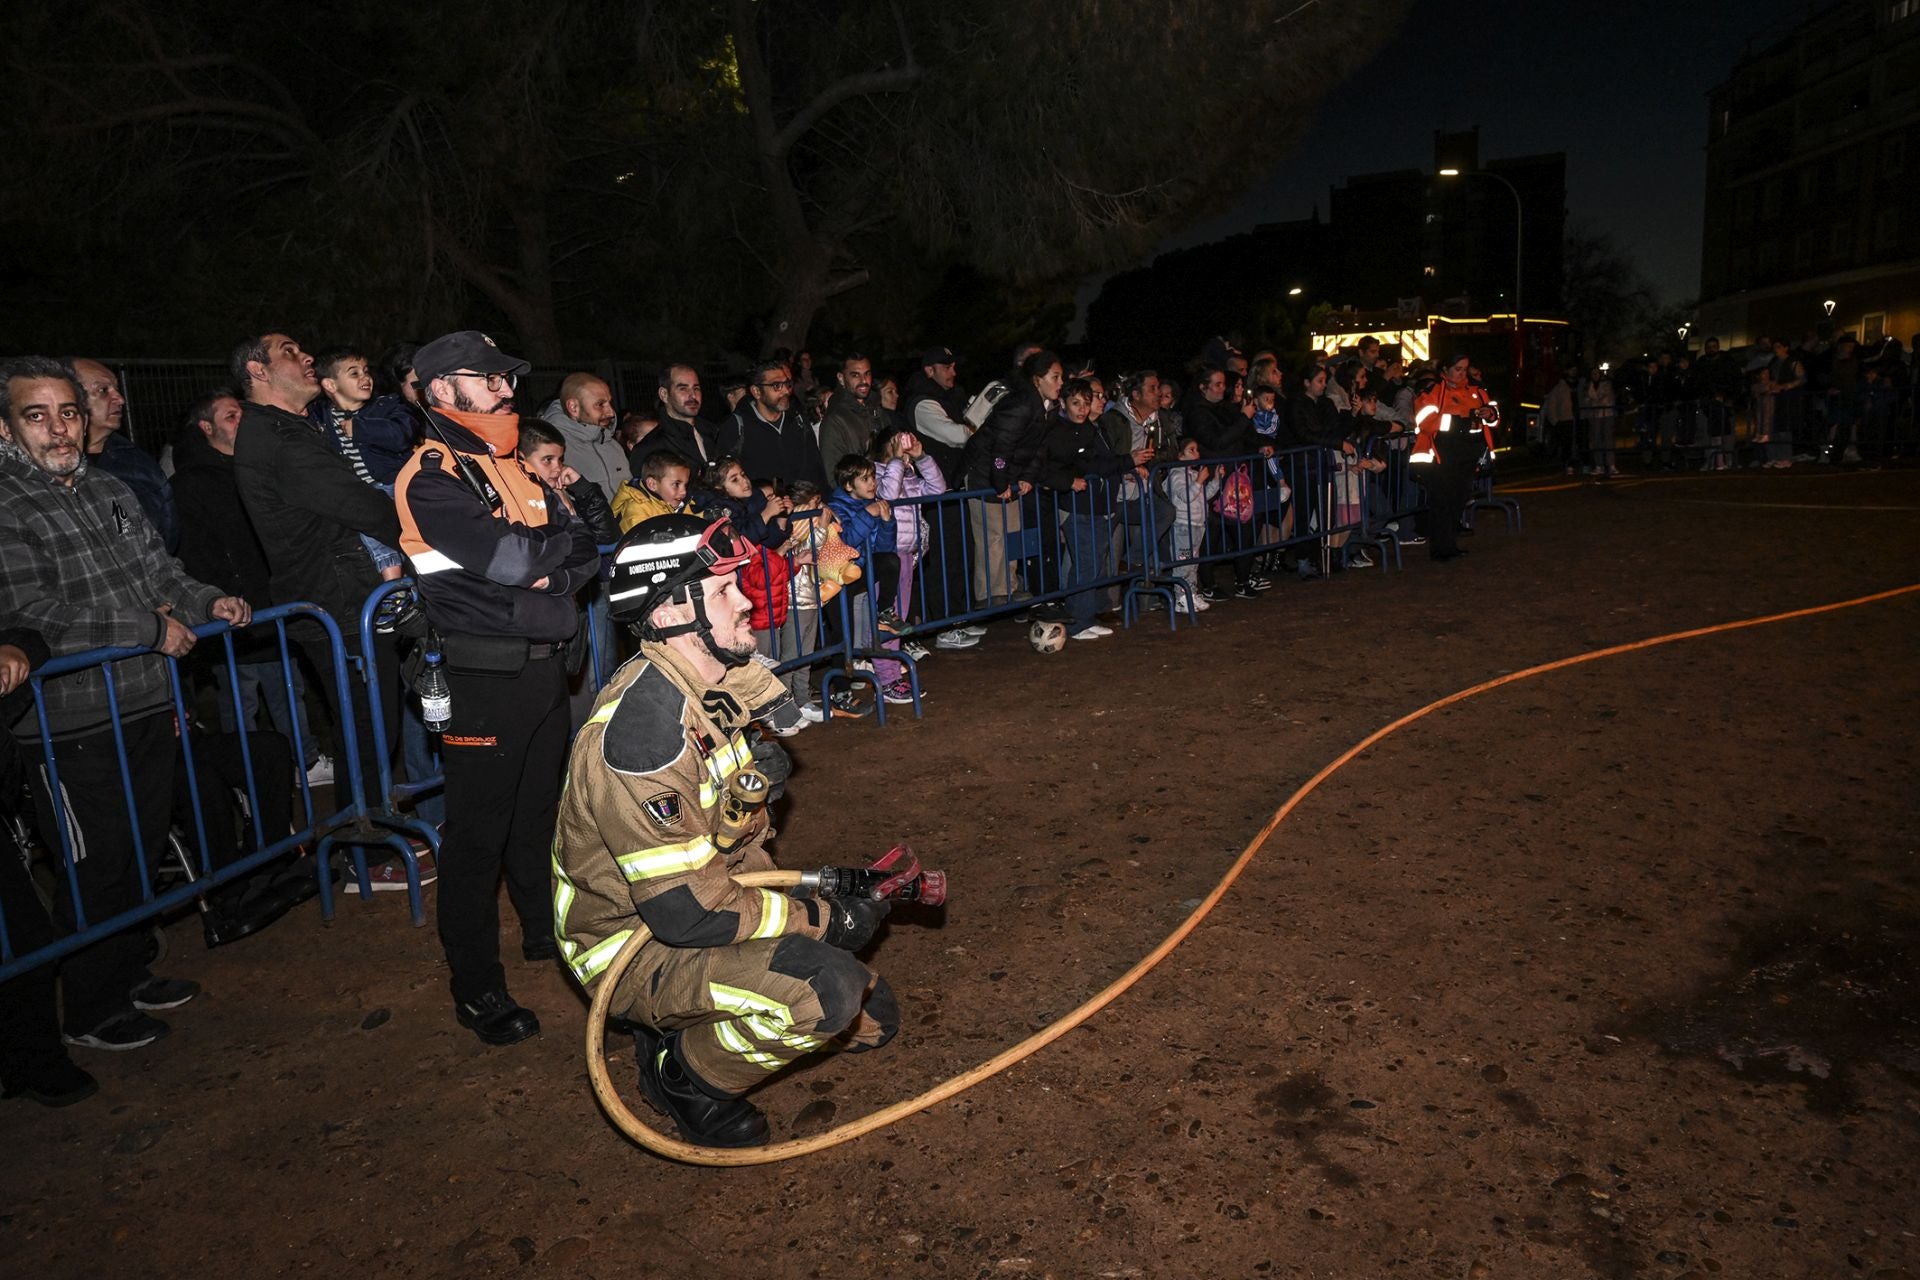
x,y
1518,358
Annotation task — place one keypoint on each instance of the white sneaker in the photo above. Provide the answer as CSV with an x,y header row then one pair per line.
x,y
958,638
918,652
1360,560
976,630
811,711
320,774
1097,630
1091,633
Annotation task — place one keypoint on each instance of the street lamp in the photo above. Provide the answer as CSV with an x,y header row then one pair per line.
x,y
1829,304
1294,292
1683,333
1519,237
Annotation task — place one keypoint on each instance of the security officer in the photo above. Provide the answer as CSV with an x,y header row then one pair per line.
x,y
497,558
736,982
1453,420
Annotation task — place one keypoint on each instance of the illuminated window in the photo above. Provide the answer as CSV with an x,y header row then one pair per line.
x,y
1902,9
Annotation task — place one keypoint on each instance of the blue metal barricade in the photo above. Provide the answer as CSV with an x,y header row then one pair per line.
x,y
380,820
204,869
1234,510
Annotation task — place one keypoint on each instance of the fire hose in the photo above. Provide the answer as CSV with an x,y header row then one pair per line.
x,y
690,1153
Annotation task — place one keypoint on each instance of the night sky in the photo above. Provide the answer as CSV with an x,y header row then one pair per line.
x,y
1620,87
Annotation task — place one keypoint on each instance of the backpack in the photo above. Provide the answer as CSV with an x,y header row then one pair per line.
x,y
1235,499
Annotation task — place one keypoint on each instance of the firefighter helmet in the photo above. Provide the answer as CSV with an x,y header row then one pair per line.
x,y
663,558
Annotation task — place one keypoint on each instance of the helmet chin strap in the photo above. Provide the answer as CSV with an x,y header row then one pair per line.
x,y
701,625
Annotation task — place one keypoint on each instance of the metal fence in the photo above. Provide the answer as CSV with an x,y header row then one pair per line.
x,y
195,817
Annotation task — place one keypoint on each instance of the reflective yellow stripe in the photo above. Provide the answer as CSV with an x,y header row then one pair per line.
x,y
1421,457
1423,413
665,860
563,895
592,962
605,713
773,914
737,1044
767,1018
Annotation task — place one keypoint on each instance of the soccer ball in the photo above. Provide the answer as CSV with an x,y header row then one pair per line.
x,y
1047,637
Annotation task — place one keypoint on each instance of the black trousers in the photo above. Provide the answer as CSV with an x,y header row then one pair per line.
x,y
504,752
96,981
29,1014
220,770
386,659
1448,483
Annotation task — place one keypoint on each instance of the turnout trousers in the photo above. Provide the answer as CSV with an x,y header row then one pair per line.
x,y
748,1010
504,755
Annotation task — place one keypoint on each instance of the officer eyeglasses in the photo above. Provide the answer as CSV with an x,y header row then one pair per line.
x,y
494,381
779,384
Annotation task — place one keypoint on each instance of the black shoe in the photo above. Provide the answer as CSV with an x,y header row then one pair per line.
x,y
53,1084
1259,583
131,1030
156,994
700,1117
540,947
230,917
1244,591
1210,593
496,1019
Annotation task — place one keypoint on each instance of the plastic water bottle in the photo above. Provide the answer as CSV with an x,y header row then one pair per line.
x,y
436,699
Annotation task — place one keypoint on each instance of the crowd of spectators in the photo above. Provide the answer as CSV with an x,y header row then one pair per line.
x,y
1829,400
1037,495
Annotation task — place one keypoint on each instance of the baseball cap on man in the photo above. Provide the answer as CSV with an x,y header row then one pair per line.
x,y
468,350
937,355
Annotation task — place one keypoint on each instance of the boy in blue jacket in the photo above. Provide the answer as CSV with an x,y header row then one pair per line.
x,y
866,522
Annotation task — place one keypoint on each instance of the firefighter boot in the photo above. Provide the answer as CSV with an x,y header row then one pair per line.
x,y
700,1117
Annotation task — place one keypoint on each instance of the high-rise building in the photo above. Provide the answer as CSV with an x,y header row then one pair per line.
x,y
1813,182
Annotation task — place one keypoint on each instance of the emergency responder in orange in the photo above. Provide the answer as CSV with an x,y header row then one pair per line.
x,y
736,982
1453,422
498,558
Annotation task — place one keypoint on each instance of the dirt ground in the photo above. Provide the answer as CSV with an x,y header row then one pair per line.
x,y
1610,972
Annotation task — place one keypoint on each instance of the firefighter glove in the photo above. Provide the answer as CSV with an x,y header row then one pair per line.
x,y
852,922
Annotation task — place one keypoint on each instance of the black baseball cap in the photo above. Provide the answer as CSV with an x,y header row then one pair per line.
x,y
938,355
468,350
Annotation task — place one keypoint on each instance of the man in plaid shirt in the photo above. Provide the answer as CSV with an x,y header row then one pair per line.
x,y
81,564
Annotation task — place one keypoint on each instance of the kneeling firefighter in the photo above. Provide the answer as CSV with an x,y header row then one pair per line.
x,y
657,818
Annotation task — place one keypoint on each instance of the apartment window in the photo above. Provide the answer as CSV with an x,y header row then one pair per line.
x,y
1902,9
1874,327
1803,249
1846,170
1770,199
1767,257
1740,268
1840,240
1743,207
1809,178
1886,229
1893,156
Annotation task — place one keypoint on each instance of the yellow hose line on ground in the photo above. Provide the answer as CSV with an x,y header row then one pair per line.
x,y
674,1149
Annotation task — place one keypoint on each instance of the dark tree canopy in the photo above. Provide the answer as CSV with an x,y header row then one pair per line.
x,y
589,176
